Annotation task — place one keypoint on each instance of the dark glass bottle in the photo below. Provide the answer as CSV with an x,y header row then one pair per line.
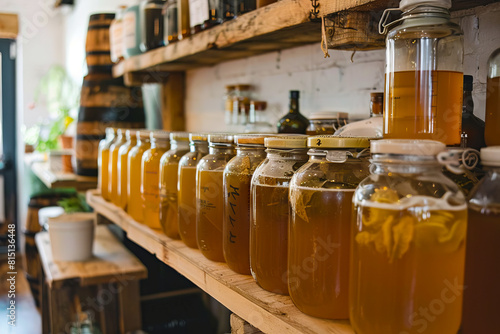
x,y
294,121
152,24
472,126
215,14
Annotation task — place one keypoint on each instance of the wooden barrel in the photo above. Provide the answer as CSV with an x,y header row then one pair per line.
x,y
97,47
104,103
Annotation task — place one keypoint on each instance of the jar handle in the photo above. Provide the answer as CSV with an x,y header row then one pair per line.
x,y
459,160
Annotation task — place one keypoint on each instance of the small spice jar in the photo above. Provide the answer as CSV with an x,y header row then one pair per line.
x,y
135,207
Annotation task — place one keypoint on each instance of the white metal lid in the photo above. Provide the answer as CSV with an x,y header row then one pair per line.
x,y
407,147
406,5
490,156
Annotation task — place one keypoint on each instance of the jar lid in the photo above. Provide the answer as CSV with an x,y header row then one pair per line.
x,y
110,131
286,141
490,156
230,87
243,87
406,5
407,146
130,133
328,141
179,136
377,97
143,134
324,115
251,139
198,137
160,135
221,138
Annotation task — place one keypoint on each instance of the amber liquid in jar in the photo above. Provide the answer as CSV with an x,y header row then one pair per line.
x,y
104,173
320,230
210,207
415,260
150,187
492,123
482,295
123,173
411,114
113,171
168,199
269,225
237,211
187,205
135,207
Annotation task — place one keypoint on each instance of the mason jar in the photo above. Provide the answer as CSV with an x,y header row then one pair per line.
x,y
135,207
103,162
121,198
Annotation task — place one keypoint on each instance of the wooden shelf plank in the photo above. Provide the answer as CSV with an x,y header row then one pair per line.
x,y
269,312
62,180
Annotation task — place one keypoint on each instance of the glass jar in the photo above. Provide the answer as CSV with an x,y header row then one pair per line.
x,y
250,152
113,164
408,243
215,14
228,104
121,198
241,103
257,119
424,73
186,187
482,274
210,195
150,182
244,6
103,162
229,9
492,120
372,127
169,169
323,123
171,22
320,226
269,217
293,121
184,28
135,207
472,126
198,14
151,24
116,36
131,32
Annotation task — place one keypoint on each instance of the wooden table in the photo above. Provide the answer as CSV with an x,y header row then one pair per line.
x,y
106,286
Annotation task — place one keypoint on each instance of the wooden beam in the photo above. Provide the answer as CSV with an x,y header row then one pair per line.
x,y
9,25
173,117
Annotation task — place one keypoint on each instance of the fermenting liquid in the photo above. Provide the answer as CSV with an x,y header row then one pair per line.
x,y
210,202
168,199
135,207
187,205
492,122
318,261
121,198
407,266
236,241
411,114
104,173
113,171
150,187
269,229
482,295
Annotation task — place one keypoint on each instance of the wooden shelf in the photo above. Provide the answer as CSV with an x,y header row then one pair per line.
x,y
269,312
281,25
62,180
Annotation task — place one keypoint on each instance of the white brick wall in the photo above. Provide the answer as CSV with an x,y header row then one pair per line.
x,y
326,84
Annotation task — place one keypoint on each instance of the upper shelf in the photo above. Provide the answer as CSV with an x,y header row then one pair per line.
x,y
281,25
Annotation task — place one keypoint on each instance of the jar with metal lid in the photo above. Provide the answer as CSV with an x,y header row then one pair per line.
x,y
320,225
270,209
241,105
210,195
150,182
135,207
116,36
482,273
170,22
186,187
103,162
131,32
250,152
408,243
151,24
113,164
121,198
323,123
169,169
424,72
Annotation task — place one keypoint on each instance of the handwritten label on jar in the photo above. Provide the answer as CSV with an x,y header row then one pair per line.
x,y
237,208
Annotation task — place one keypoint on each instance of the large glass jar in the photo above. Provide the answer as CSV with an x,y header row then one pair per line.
x,y
320,225
135,207
269,217
184,28
482,273
170,22
131,32
210,195
169,169
250,152
186,187
113,164
121,198
150,182
103,162
408,243
424,72
151,24
116,36
492,121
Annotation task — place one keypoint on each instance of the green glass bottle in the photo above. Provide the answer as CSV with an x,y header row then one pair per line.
x,y
294,121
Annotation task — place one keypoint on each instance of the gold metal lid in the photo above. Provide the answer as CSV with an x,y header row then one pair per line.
x,y
198,137
328,141
407,147
179,136
286,141
221,138
131,133
251,139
